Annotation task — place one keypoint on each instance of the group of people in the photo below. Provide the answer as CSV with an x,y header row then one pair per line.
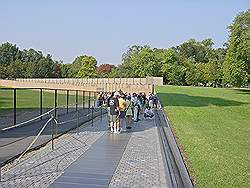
x,y
125,108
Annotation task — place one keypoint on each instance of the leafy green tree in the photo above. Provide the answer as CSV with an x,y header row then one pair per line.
x,y
65,70
8,53
170,56
198,52
3,72
193,75
177,74
46,68
88,66
31,69
236,68
25,64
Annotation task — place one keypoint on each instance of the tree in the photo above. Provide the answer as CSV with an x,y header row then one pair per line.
x,y
236,68
198,52
15,63
3,72
104,70
193,74
177,74
58,71
46,68
170,57
66,70
88,66
8,53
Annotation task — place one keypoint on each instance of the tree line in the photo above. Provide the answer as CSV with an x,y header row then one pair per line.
x,y
193,62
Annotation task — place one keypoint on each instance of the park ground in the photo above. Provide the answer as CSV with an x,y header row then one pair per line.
x,y
212,126
30,99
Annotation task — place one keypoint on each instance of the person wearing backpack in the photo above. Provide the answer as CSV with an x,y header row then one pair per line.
x,y
136,107
129,112
114,113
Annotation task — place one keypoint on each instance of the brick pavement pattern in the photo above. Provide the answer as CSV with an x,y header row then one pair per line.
x,y
42,167
142,163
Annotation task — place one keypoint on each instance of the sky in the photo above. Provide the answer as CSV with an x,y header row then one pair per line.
x,y
106,28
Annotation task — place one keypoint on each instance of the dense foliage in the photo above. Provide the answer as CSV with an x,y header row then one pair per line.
x,y
191,63
195,62
16,63
237,63
82,67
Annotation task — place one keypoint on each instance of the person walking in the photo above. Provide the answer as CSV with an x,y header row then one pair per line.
x,y
129,112
136,107
155,101
114,113
150,100
122,108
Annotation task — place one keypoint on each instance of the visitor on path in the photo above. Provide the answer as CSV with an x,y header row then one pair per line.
x,y
122,114
108,97
150,100
100,99
148,113
155,101
129,112
114,113
136,107
144,101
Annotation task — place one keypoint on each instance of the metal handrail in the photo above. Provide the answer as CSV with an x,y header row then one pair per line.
x,y
31,144
37,136
45,125
33,119
28,121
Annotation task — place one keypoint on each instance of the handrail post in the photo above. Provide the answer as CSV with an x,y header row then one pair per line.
x,y
89,101
77,123
52,133
55,113
41,102
92,116
83,99
67,101
14,105
76,100
56,125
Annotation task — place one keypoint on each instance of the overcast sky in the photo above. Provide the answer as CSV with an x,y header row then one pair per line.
x,y
105,28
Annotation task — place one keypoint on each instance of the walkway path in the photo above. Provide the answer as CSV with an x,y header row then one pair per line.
x,y
16,140
95,158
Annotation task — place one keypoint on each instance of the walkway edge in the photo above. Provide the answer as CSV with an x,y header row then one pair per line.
x,y
182,168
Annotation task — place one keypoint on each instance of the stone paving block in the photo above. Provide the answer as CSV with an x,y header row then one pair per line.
x,y
42,167
141,164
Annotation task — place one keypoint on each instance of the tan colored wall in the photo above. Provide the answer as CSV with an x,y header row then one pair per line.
x,y
89,84
89,81
25,84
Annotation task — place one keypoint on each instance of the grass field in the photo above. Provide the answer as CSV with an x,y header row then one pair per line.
x,y
213,127
30,99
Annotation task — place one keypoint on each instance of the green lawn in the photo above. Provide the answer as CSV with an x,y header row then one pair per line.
x,y
213,127
30,99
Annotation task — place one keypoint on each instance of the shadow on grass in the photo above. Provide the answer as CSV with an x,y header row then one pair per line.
x,y
242,91
176,99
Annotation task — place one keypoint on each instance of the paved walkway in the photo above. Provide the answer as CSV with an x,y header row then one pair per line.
x,y
16,140
94,158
